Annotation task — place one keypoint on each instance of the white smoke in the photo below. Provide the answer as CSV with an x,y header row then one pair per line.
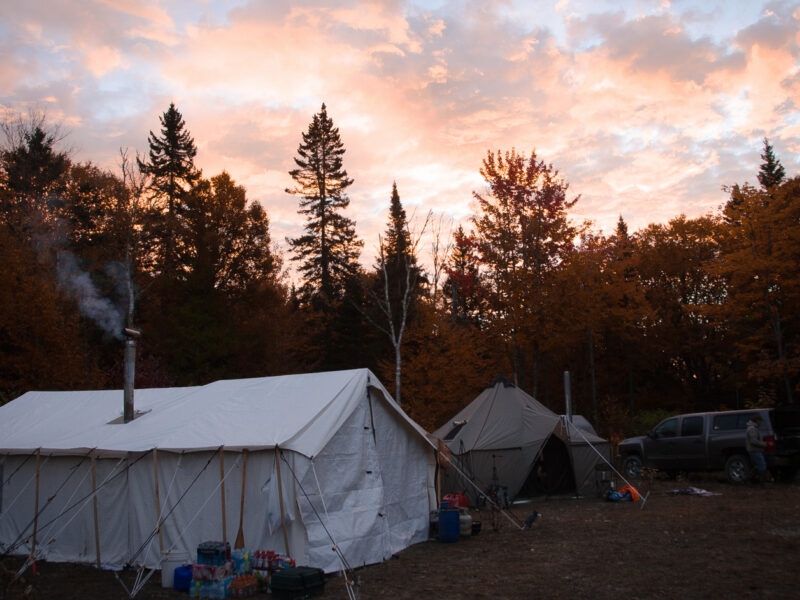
x,y
78,284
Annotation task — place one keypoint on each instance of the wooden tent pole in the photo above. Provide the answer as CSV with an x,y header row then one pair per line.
x,y
280,499
239,543
222,492
158,502
94,509
36,502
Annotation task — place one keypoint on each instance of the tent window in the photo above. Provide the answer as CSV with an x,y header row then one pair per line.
x,y
454,431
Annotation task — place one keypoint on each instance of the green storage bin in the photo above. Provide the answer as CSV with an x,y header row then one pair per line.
x,y
296,583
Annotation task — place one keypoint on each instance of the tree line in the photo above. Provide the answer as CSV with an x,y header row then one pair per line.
x,y
693,314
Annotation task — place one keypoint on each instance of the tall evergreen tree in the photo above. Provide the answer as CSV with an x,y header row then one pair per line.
x,y
171,166
34,175
328,251
399,279
771,172
398,266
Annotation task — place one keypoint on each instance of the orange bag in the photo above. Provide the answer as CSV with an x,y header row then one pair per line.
x,y
632,490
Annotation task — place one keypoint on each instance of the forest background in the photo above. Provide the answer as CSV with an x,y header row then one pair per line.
x,y
693,314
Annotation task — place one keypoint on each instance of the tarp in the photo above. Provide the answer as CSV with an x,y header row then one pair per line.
x,y
352,465
500,438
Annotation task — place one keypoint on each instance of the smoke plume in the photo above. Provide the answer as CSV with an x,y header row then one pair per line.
x,y
78,284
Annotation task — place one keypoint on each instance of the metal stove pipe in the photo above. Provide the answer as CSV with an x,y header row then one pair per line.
x,y
130,373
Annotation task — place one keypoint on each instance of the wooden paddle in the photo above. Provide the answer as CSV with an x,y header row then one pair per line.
x,y
239,544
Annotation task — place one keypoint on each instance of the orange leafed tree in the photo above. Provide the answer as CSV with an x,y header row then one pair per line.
x,y
522,234
759,254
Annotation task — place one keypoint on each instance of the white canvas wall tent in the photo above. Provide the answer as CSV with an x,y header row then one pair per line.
x,y
329,456
505,437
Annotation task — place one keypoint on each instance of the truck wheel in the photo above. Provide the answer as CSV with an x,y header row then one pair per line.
x,y
632,467
737,469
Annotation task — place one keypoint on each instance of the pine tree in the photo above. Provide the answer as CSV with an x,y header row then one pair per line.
x,y
771,172
328,251
402,273
171,165
34,175
399,280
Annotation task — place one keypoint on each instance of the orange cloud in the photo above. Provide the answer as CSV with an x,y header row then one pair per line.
x,y
641,113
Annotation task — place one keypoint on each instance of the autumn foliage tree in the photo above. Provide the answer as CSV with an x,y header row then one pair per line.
x,y
462,286
522,234
759,253
598,307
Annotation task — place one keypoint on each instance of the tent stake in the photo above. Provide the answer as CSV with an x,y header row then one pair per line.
x,y
158,502
94,509
280,499
36,504
222,492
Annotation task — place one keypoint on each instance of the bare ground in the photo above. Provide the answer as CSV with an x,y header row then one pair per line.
x,y
742,543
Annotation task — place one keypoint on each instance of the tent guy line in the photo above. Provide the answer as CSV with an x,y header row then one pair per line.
x,y
628,483
347,571
22,489
21,536
47,539
22,464
471,481
140,582
171,510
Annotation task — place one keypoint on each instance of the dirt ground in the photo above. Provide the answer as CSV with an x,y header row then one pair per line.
x,y
742,543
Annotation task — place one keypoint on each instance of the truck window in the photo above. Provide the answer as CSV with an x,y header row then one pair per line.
x,y
743,419
692,426
668,428
726,422
734,422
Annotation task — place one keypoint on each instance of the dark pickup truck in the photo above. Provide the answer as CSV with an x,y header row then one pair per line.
x,y
713,441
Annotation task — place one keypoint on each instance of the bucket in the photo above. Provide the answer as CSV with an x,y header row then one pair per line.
x,y
170,560
448,525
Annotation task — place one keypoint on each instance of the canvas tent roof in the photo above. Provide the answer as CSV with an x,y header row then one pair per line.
x,y
293,412
505,418
502,416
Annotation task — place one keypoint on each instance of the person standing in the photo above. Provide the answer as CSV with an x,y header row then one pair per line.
x,y
755,445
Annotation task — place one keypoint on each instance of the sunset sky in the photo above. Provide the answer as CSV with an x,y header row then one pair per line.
x,y
647,108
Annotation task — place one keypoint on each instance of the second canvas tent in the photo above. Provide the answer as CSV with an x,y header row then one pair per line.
x,y
505,437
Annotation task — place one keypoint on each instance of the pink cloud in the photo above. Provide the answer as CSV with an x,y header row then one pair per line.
x,y
641,115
